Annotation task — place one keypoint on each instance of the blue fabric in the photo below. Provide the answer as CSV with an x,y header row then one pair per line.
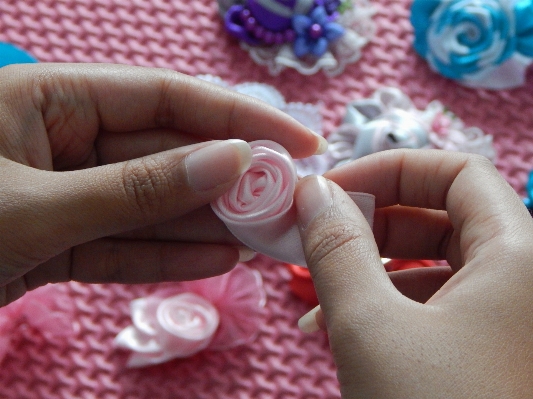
x,y
10,54
524,27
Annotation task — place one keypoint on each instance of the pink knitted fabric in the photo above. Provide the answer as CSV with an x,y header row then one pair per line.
x,y
187,36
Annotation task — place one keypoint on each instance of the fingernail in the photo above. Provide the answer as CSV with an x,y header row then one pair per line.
x,y
322,144
308,323
218,163
246,254
314,197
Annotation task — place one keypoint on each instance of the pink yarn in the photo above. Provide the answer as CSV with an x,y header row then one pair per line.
x,y
47,310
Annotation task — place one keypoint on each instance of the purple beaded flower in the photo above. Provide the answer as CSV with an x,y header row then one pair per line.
x,y
314,32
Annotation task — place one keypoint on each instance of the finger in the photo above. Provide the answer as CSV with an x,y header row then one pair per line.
x,y
127,261
417,284
416,233
341,253
481,206
77,101
70,208
200,225
113,147
421,283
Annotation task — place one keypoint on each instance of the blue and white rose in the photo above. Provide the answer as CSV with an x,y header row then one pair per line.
x,y
463,39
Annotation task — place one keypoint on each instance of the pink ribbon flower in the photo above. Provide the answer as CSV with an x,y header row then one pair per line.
x,y
217,313
259,208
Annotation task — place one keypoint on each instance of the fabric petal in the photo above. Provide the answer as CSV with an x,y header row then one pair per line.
x,y
333,31
300,24
320,47
301,47
524,27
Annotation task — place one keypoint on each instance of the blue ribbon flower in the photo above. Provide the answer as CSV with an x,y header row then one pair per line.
x,y
314,32
463,39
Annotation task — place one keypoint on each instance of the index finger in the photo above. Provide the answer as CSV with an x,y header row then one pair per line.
x,y
481,206
122,98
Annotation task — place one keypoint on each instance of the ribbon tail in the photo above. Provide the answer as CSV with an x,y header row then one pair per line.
x,y
280,238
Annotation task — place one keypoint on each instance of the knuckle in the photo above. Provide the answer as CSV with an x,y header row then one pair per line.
x,y
165,112
332,239
479,162
146,184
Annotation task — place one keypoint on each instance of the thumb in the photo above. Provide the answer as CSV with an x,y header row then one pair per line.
x,y
69,208
341,254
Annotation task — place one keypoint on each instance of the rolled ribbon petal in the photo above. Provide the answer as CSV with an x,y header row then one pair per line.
x,y
259,208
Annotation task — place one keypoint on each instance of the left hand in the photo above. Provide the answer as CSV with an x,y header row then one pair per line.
x,y
95,185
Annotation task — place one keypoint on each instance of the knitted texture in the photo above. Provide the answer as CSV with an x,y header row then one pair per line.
x,y
188,36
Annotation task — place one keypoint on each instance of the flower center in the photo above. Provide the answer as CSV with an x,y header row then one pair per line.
x,y
315,31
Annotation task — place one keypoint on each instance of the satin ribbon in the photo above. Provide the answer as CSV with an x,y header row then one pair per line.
x,y
259,209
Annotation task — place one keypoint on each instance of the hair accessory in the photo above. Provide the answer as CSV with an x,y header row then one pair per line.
x,y
389,119
479,43
307,35
259,209
47,309
177,321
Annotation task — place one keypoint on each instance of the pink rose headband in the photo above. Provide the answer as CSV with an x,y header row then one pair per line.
x,y
259,208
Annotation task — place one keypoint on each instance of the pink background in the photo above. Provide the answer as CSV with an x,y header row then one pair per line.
x,y
187,36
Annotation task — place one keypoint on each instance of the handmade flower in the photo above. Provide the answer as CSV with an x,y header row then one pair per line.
x,y
308,35
314,32
390,120
178,321
481,43
259,208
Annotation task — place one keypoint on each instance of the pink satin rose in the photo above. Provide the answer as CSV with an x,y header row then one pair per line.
x,y
178,321
259,208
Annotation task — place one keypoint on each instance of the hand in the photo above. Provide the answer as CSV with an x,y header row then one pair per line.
x,y
471,339
106,173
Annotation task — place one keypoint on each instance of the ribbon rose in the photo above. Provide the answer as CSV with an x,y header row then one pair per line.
x,y
481,43
178,321
259,208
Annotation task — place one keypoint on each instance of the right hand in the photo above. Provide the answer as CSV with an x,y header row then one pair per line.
x,y
474,337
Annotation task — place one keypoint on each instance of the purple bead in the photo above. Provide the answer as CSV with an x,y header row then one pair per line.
x,y
269,37
245,14
250,23
259,32
278,38
315,31
290,36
